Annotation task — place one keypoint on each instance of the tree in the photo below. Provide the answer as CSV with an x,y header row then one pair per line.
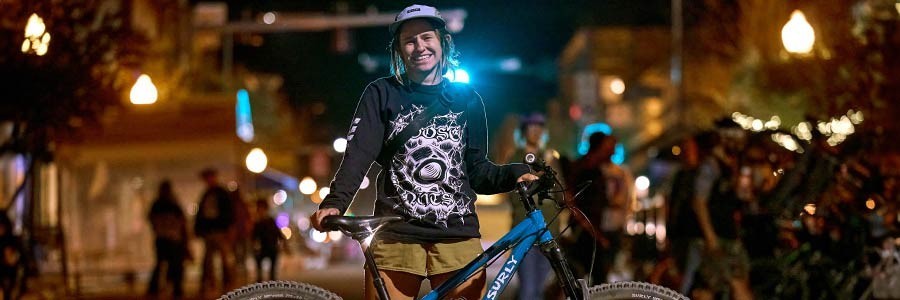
x,y
853,65
85,71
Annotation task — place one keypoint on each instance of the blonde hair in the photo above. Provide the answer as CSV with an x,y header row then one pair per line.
x,y
449,57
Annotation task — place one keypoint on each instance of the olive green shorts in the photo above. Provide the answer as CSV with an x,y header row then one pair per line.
x,y
425,259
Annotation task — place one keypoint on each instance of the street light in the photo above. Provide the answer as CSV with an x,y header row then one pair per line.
x,y
143,91
37,38
256,161
797,35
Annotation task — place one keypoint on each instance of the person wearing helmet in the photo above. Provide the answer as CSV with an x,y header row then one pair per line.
x,y
432,177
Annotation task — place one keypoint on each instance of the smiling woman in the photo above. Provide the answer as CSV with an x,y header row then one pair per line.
x,y
422,48
434,160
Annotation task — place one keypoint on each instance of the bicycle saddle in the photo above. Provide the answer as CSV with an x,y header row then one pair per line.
x,y
357,225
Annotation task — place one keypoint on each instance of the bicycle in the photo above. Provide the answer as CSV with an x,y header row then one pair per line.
x,y
518,240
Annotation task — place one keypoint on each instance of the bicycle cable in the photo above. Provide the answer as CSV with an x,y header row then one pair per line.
x,y
581,188
555,217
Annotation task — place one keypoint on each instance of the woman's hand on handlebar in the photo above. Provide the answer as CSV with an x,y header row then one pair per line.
x,y
527,177
316,218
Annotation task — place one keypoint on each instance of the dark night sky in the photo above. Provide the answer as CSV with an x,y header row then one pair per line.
x,y
533,31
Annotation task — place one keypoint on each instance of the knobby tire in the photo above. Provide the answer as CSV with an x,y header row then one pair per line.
x,y
288,290
280,290
632,290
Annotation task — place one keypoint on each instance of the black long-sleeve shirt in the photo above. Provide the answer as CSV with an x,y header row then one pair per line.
x,y
433,178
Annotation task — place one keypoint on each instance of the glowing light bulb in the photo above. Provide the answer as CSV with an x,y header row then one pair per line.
x,y
143,91
797,35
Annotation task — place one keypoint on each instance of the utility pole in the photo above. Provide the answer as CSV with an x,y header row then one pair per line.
x,y
676,71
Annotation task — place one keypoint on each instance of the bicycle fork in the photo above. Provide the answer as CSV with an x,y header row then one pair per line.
x,y
574,289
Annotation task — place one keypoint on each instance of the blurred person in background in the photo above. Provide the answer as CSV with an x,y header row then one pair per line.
x,y
266,239
607,203
884,220
758,176
12,262
214,221
534,268
241,231
683,228
171,240
725,265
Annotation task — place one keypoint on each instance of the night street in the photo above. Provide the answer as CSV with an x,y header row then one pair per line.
x,y
705,149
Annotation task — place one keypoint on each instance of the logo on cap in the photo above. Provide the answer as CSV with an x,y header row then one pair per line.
x,y
417,11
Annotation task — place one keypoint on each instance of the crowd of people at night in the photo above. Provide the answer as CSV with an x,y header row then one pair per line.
x,y
744,217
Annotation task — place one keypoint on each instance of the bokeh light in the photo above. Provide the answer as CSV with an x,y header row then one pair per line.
x,y
143,91
458,75
642,183
324,191
335,236
810,209
269,18
282,220
279,197
307,186
797,35
37,38
256,161
318,236
339,145
617,86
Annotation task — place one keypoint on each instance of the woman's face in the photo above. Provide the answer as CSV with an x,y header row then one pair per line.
x,y
420,46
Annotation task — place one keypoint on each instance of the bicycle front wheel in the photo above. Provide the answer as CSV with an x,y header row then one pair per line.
x,y
626,290
280,290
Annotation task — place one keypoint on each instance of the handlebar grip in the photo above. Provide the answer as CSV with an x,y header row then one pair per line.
x,y
331,223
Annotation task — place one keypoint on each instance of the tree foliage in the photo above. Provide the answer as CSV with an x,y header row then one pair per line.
x,y
86,70
854,64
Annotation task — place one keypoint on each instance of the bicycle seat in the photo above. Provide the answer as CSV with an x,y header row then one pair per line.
x,y
357,225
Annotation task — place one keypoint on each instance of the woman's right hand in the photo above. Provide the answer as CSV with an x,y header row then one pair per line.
x,y
316,218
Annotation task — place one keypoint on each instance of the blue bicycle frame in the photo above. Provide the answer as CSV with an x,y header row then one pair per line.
x,y
522,237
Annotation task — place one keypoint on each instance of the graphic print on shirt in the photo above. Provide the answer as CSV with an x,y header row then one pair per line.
x,y
403,119
427,171
353,129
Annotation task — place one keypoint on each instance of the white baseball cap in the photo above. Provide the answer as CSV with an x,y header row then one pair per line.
x,y
416,11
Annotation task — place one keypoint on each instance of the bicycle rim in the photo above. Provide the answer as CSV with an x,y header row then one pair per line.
x,y
632,290
280,290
